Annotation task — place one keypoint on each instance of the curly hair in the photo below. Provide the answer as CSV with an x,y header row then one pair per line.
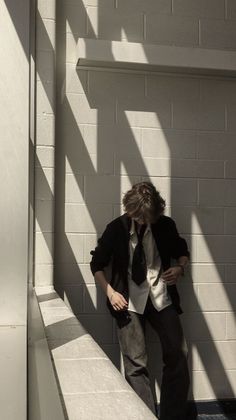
x,y
144,202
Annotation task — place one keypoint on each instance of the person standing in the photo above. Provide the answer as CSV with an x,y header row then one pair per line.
x,y
141,245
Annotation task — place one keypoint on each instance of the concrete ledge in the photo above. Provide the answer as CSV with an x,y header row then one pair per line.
x,y
145,58
91,386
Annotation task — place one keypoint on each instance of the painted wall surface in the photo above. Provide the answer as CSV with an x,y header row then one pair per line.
x,y
14,178
114,129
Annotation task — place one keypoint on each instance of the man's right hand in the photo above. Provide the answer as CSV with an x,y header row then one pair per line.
x,y
118,302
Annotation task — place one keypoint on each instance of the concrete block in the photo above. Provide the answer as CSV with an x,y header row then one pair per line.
x,y
220,34
210,273
211,116
231,9
89,137
73,273
230,273
45,156
196,169
71,249
115,24
77,110
218,146
209,169
46,34
120,85
230,220
168,144
230,169
158,6
45,130
74,188
186,105
149,113
102,189
202,8
94,299
87,219
217,192
44,212
188,296
200,326
218,355
183,191
85,153
43,248
46,9
221,297
70,47
117,210
161,87
172,30
73,17
90,241
197,108
230,117
104,406
43,274
216,248
136,165
45,62
76,80
45,97
192,244
198,220
230,326
206,388
231,388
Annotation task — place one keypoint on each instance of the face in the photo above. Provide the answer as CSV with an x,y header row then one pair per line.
x,y
142,220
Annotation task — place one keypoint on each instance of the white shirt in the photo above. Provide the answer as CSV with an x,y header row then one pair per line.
x,y
153,285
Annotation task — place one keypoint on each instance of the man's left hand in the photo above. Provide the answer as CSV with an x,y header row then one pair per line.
x,y
171,275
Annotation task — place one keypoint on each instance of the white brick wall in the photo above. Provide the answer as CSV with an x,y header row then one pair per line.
x,y
114,129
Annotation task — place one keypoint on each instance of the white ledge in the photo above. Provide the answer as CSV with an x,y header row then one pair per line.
x,y
91,386
145,58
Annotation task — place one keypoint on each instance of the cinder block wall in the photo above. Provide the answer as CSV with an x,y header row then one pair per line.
x,y
114,129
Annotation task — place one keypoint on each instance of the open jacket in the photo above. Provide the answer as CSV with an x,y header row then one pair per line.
x,y
113,246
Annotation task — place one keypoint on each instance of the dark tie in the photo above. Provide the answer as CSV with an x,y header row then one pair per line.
x,y
139,266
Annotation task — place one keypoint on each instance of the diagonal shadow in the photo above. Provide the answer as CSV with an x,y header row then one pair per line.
x,y
124,160
165,124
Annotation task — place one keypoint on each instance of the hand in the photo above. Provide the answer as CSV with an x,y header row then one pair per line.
x,y
118,301
171,275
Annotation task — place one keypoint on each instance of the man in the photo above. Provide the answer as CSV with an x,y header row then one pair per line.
x,y
141,245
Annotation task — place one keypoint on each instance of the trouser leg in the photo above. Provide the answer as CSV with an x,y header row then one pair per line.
x,y
131,339
175,379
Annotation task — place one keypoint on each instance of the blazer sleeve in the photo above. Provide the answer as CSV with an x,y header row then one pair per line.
x,y
103,252
179,245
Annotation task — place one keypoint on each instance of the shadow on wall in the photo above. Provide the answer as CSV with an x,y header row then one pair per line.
x,y
103,136
106,124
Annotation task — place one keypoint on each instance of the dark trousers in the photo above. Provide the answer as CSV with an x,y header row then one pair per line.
x,y
175,378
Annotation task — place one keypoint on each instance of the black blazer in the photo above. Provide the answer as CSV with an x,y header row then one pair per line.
x,y
113,246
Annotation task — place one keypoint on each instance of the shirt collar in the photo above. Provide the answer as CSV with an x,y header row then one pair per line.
x,y
132,228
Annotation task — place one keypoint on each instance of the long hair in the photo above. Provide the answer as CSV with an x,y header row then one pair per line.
x,y
144,202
